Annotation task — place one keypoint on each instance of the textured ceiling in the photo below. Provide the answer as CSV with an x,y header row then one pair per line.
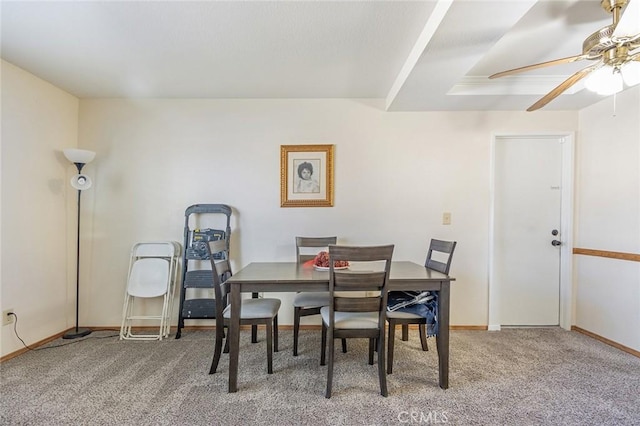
x,y
416,55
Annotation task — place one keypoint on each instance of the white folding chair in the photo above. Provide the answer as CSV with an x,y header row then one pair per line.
x,y
153,273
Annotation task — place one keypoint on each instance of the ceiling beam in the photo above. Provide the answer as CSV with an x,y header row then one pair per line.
x,y
430,27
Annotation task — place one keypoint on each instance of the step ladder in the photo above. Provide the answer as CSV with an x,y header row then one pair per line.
x,y
202,223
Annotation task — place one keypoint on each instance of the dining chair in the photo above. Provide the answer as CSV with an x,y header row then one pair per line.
x,y
252,311
358,303
444,253
308,303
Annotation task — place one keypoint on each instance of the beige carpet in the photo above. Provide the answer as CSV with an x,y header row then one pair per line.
x,y
512,377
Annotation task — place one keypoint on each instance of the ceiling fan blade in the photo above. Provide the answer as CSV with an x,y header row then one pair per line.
x,y
562,87
540,65
629,24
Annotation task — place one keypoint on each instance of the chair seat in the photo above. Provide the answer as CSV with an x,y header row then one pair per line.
x,y
404,315
351,319
255,308
311,299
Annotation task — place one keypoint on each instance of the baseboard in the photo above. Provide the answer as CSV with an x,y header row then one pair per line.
x,y
32,346
311,327
605,340
469,327
116,329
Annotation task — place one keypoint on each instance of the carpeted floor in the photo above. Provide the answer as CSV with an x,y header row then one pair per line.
x,y
511,377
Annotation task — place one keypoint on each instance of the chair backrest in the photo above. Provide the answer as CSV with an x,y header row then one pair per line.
x,y
149,277
220,272
372,278
168,249
314,243
152,268
444,249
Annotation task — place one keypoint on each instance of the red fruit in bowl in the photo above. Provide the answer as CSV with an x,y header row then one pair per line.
x,y
322,260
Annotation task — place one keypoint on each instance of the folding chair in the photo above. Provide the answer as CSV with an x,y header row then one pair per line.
x,y
153,272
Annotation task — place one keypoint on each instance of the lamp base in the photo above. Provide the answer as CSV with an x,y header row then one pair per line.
x,y
76,332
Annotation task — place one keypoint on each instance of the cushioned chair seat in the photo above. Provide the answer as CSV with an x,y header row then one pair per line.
x,y
311,299
351,319
255,308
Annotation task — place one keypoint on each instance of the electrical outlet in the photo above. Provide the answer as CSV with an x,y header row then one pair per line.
x,y
7,318
446,218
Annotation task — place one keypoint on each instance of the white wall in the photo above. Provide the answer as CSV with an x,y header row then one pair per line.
x,y
395,173
38,121
608,218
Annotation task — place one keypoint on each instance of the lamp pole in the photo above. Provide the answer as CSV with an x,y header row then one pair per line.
x,y
78,332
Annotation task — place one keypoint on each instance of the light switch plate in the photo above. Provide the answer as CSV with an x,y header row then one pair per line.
x,y
446,218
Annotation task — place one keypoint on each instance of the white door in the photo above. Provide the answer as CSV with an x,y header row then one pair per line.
x,y
527,202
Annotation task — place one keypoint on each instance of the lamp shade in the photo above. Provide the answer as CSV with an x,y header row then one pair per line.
x,y
81,182
605,80
631,72
81,156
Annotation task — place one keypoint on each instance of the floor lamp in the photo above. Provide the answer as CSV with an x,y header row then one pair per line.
x,y
79,157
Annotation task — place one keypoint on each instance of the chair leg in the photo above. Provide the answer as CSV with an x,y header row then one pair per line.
x,y
372,346
392,338
296,329
254,328
381,365
275,333
269,346
405,332
344,346
323,345
226,346
254,334
422,329
226,343
216,351
330,368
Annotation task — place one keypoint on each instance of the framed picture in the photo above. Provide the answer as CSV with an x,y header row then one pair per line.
x,y
306,175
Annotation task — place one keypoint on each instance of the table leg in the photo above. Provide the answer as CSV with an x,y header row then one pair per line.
x,y
234,337
442,340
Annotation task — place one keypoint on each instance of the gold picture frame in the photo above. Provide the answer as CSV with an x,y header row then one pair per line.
x,y
306,175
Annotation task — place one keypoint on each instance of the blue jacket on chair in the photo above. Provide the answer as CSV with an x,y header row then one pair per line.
x,y
421,303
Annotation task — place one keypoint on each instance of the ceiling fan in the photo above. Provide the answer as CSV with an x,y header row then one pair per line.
x,y
616,48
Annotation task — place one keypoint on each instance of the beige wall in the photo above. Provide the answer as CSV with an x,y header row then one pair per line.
x,y
608,218
395,174
38,272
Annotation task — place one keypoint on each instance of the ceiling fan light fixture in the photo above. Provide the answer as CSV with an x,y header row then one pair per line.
x,y
631,73
605,81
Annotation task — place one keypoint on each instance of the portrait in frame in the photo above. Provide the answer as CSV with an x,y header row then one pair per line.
x,y
306,175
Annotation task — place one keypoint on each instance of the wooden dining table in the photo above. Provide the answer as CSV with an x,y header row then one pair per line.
x,y
262,277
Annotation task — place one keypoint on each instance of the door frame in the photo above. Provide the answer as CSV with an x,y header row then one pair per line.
x,y
566,225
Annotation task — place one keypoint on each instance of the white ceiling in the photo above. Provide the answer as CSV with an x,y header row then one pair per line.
x,y
417,55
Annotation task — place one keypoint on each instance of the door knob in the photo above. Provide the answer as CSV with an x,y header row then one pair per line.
x,y
555,243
